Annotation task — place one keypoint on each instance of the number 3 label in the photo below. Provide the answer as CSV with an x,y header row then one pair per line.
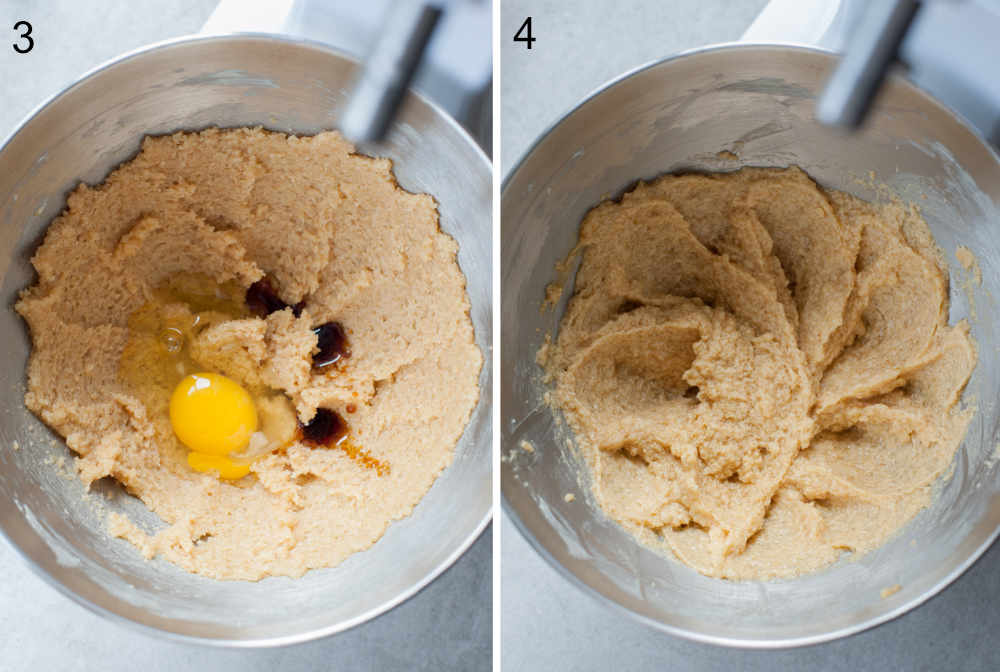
x,y
25,37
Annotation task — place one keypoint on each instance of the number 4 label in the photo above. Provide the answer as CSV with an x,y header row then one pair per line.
x,y
524,33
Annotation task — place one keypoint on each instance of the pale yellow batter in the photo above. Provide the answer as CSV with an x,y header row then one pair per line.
x,y
759,372
334,232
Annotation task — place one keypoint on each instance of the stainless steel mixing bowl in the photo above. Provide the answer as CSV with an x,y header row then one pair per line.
x,y
286,85
680,114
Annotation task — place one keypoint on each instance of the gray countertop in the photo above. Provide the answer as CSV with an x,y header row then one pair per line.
x,y
548,624
447,626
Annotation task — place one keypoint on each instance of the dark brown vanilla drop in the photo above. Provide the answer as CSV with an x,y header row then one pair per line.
x,y
326,428
262,298
332,344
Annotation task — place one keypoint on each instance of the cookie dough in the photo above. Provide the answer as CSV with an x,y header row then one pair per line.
x,y
339,240
759,372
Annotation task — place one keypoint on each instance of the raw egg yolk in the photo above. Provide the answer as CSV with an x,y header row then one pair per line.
x,y
213,416
228,468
